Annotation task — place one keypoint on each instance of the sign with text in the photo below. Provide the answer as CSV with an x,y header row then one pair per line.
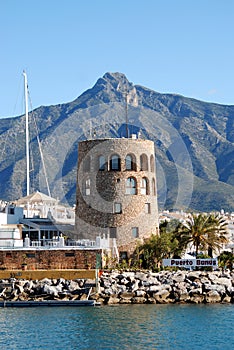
x,y
190,262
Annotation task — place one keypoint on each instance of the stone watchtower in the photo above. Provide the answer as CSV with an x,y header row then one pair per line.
x,y
116,189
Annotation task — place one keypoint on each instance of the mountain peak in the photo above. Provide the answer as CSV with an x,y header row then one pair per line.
x,y
120,77
116,80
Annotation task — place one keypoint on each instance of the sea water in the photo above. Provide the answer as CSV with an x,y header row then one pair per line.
x,y
118,327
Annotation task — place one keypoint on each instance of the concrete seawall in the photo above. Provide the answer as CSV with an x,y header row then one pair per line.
x,y
69,274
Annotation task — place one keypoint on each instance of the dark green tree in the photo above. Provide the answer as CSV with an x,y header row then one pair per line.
x,y
226,260
158,247
175,229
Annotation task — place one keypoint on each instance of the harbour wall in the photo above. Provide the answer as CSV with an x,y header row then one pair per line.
x,y
126,287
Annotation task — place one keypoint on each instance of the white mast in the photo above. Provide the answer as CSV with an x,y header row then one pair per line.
x,y
26,132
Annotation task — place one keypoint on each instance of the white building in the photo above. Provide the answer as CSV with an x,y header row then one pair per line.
x,y
10,229
10,214
11,236
40,205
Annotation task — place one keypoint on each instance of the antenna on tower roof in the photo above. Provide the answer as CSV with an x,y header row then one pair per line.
x,y
90,129
125,92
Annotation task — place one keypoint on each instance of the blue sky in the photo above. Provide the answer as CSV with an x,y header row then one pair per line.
x,y
170,46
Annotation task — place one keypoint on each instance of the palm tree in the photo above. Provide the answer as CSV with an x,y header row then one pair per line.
x,y
205,232
217,237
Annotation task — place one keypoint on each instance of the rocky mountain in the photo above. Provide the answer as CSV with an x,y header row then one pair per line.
x,y
194,143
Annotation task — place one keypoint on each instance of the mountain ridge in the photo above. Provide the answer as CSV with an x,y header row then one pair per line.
x,y
201,132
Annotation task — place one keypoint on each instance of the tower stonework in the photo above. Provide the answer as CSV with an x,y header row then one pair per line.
x,y
116,189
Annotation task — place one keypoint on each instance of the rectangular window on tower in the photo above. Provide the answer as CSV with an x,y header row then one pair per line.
x,y
147,208
117,208
135,232
87,187
113,232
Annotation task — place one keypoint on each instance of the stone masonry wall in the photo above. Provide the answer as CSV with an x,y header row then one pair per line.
x,y
48,259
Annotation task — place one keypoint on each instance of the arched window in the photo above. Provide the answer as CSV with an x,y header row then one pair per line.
x,y
86,164
87,185
115,162
144,186
130,162
152,164
102,163
130,186
144,162
153,187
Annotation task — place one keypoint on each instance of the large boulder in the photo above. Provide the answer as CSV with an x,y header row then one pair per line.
x,y
178,277
113,299
162,296
196,298
51,290
214,287
29,286
213,297
184,296
194,275
126,298
223,281
155,289
135,285
150,281
20,288
139,300
140,293
73,286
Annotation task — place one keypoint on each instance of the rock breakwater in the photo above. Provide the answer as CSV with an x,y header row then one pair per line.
x,y
128,288
45,289
166,287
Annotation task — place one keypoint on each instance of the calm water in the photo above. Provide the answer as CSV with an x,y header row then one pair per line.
x,y
118,327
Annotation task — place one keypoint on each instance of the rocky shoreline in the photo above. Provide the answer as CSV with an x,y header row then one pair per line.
x,y
127,287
